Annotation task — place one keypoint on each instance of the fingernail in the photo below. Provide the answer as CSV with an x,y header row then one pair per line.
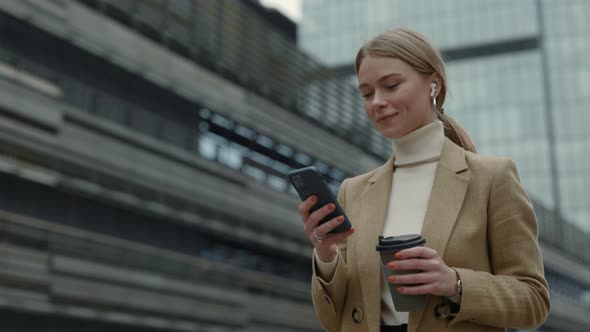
x,y
314,199
331,207
340,219
391,279
390,266
351,231
400,289
398,256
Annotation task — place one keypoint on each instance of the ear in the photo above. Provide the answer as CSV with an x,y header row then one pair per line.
x,y
433,88
435,79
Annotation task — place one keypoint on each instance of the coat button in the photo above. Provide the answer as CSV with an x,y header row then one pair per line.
x,y
442,311
357,315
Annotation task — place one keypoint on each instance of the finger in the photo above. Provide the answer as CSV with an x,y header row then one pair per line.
x,y
306,205
434,288
335,238
416,290
319,214
421,264
324,229
419,251
413,278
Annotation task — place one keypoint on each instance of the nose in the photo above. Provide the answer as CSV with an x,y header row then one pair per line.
x,y
378,100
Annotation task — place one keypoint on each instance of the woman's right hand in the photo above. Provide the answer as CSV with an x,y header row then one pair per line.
x,y
324,243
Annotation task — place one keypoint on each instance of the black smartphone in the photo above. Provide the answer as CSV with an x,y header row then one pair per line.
x,y
309,181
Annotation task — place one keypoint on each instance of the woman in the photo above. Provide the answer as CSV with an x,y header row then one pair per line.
x,y
481,259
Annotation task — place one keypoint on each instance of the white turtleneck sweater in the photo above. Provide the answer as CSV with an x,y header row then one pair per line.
x,y
416,158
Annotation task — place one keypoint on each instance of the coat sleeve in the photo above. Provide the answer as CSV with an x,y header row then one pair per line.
x,y
328,295
515,294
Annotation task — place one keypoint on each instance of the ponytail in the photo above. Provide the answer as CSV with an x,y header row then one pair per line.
x,y
455,133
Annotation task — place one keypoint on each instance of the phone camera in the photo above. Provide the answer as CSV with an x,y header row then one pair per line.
x,y
298,181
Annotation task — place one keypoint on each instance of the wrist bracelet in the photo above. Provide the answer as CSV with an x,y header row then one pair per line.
x,y
459,285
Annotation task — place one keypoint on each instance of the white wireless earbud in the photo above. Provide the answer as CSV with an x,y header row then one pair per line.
x,y
433,89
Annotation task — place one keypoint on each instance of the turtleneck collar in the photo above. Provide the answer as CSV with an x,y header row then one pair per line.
x,y
421,145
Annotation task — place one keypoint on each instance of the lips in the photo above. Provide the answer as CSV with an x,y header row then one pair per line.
x,y
385,117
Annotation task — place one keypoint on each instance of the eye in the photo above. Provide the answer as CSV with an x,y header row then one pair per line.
x,y
392,86
367,95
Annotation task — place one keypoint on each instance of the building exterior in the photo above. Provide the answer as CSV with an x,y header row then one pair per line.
x,y
143,151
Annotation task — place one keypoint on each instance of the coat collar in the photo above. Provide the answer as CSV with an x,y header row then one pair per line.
x,y
448,192
452,158
446,199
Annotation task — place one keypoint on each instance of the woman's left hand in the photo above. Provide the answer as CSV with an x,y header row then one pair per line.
x,y
436,277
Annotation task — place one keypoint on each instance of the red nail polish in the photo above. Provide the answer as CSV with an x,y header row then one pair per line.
x,y
314,199
340,219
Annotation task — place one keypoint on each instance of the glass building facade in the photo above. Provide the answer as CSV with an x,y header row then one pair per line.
x,y
518,71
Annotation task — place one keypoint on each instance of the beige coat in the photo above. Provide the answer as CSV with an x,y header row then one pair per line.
x,y
480,221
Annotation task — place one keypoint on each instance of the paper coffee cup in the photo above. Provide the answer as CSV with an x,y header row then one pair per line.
x,y
387,247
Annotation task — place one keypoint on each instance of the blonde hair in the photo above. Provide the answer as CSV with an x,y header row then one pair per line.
x,y
417,51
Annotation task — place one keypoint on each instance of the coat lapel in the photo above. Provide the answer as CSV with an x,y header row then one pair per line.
x,y
374,202
446,199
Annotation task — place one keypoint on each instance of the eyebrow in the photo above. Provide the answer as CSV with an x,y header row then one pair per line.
x,y
383,78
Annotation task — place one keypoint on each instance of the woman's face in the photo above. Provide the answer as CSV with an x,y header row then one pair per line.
x,y
396,97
